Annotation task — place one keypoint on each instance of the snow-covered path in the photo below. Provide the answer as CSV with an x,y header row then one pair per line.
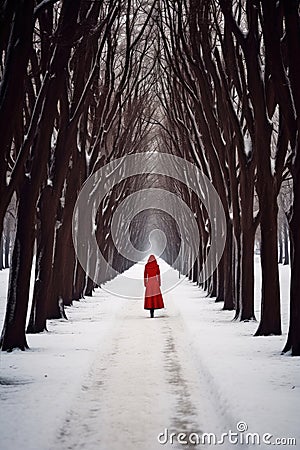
x,y
144,381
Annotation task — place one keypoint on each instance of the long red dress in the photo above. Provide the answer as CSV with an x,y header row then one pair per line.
x,y
153,297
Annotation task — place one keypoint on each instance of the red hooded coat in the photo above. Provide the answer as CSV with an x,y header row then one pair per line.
x,y
153,297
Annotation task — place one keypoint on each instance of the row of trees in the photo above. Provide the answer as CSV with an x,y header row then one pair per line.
x,y
230,96
75,93
216,83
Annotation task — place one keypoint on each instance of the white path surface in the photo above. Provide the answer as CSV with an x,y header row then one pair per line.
x,y
111,378
143,382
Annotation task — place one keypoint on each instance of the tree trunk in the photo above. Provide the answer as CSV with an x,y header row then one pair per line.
x,y
228,275
219,279
212,287
7,245
286,245
1,253
44,268
195,271
270,322
13,334
280,244
293,341
247,276
236,263
246,300
79,282
90,284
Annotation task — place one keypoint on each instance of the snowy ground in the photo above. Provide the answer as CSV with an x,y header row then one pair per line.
x,y
111,378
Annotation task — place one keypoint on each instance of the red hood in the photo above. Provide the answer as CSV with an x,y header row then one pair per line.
x,y
152,261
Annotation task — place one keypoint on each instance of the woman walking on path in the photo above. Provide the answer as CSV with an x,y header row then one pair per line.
x,y
153,297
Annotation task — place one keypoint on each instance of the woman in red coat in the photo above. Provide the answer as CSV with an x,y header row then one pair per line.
x,y
153,297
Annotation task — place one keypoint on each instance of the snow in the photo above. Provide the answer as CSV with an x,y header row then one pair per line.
x,y
112,378
247,144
